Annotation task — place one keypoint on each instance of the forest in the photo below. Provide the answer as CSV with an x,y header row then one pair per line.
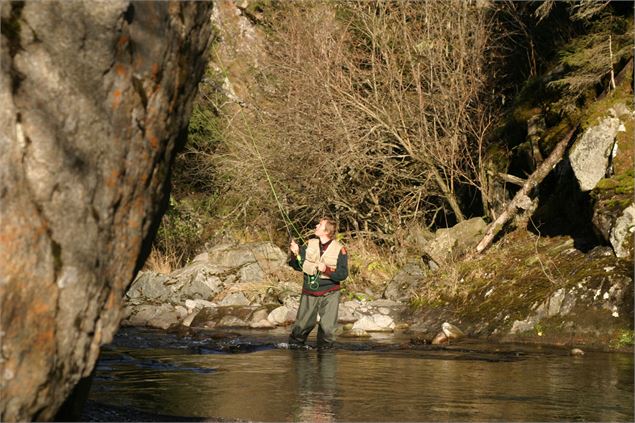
x,y
158,158
392,117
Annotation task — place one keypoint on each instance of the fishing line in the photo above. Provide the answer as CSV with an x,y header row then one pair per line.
x,y
285,217
288,223
313,280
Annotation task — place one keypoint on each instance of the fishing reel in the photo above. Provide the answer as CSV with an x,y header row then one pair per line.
x,y
314,281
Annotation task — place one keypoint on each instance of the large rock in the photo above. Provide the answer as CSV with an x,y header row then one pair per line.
x,y
199,280
162,316
405,282
195,281
374,323
590,154
254,259
150,287
622,233
95,101
450,243
282,315
213,277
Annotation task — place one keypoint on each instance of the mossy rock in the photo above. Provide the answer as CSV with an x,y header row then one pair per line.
x,y
487,293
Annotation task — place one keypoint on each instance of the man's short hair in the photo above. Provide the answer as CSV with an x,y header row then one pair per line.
x,y
331,226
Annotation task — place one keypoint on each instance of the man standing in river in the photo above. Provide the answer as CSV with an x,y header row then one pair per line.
x,y
324,263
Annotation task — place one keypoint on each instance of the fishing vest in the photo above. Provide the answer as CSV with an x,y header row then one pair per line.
x,y
312,256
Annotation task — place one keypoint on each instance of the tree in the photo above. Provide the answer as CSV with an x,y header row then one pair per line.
x,y
389,95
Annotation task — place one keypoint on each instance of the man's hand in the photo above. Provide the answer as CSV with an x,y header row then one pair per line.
x,y
321,267
295,249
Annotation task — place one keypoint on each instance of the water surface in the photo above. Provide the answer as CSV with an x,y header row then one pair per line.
x,y
249,376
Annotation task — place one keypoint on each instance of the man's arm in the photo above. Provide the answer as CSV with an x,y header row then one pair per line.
x,y
293,261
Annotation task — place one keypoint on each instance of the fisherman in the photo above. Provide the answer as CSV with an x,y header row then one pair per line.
x,y
324,262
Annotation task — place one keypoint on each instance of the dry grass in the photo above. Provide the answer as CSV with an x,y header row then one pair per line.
x,y
162,262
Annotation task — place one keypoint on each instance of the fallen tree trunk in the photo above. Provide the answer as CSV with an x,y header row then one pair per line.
x,y
522,200
95,99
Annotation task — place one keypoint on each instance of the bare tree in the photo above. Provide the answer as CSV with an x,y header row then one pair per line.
x,y
373,111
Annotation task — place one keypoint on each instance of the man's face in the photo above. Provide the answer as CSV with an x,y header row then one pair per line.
x,y
320,229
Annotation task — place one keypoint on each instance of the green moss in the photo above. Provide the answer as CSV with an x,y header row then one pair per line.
x,y
555,134
623,338
607,183
598,110
512,278
615,193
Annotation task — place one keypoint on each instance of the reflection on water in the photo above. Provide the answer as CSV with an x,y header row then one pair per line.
x,y
463,383
316,384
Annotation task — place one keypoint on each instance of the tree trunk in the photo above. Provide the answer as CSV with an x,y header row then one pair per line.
x,y
522,199
95,101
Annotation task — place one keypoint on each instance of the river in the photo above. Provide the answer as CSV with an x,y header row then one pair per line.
x,y
251,376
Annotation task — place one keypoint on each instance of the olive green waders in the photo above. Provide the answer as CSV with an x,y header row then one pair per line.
x,y
310,306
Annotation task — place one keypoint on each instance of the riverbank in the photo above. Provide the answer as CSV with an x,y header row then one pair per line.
x,y
527,288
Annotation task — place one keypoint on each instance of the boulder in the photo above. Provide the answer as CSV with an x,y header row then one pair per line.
x,y
451,243
150,287
206,317
253,259
559,303
198,304
96,98
355,333
262,324
375,323
231,321
235,299
259,315
162,316
199,280
591,153
282,315
403,285
451,331
440,338
345,314
621,235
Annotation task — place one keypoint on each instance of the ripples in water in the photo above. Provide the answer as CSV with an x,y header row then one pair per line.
x,y
251,376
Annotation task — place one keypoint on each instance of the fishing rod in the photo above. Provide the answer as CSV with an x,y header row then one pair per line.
x,y
313,280
285,217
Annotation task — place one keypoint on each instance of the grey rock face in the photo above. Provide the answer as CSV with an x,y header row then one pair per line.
x,y
622,233
590,154
253,259
209,277
402,286
198,280
150,286
95,100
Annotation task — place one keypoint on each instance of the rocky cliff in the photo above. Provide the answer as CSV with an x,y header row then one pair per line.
x,y
95,98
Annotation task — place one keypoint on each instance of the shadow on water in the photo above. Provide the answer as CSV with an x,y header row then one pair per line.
x,y
153,376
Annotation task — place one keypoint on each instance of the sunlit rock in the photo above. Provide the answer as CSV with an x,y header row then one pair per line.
x,y
622,233
440,338
355,333
375,323
451,331
590,154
